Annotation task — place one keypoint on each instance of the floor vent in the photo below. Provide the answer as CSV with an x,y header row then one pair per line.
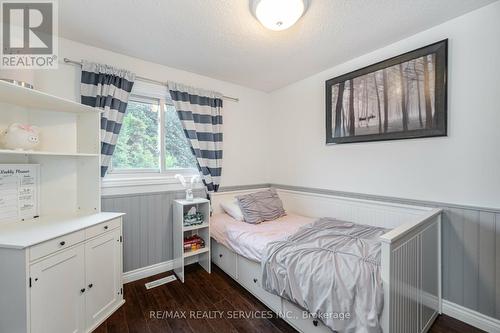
x,y
160,282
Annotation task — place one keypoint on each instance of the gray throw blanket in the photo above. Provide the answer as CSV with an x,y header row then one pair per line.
x,y
330,268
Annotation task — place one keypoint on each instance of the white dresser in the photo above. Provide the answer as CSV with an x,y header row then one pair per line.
x,y
60,272
60,275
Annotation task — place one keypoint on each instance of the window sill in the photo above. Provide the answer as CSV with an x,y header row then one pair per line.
x,y
121,184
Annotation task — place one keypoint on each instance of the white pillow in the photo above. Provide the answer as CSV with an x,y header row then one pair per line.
x,y
232,208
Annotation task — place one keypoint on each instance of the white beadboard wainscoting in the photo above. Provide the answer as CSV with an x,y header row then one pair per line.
x,y
147,227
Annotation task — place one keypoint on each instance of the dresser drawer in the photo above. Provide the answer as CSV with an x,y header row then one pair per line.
x,y
101,228
56,244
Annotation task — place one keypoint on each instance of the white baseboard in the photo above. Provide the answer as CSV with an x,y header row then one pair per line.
x,y
148,271
471,317
158,268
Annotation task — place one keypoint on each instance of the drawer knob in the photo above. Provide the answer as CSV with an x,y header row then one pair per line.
x,y
315,322
255,280
220,255
105,227
82,290
62,243
91,285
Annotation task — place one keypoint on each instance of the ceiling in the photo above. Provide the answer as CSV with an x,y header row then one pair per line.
x,y
221,38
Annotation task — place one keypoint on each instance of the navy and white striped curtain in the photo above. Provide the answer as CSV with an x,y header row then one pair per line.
x,y
107,88
200,113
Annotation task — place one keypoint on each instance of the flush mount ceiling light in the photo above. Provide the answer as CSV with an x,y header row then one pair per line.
x,y
278,14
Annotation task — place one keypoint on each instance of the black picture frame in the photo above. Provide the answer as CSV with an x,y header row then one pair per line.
x,y
440,116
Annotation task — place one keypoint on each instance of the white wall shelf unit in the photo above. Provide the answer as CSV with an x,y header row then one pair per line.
x,y
181,207
68,260
44,153
34,99
69,150
60,132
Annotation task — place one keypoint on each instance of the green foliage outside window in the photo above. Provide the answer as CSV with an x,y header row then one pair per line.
x,y
178,151
138,143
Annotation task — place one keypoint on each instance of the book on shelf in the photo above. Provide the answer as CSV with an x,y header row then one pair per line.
x,y
193,243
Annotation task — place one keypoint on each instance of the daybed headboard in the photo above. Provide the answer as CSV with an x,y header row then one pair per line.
x,y
379,213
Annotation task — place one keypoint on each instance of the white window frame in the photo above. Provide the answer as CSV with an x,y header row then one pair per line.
x,y
127,178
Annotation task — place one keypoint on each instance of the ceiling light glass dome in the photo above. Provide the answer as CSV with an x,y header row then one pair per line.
x,y
278,14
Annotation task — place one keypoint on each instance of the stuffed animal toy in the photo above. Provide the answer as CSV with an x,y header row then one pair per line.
x,y
21,137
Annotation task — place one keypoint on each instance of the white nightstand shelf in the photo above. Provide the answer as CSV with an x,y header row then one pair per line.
x,y
180,208
195,227
194,253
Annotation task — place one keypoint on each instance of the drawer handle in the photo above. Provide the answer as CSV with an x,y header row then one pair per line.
x,y
62,243
315,322
220,255
255,280
82,290
105,227
91,285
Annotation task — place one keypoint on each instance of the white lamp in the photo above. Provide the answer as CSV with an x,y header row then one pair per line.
x,y
278,14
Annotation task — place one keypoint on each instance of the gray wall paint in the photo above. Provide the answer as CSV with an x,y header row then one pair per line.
x,y
147,227
471,241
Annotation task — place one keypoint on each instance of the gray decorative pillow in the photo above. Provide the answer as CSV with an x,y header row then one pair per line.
x,y
261,206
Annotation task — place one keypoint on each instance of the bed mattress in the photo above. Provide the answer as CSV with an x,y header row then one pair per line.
x,y
250,240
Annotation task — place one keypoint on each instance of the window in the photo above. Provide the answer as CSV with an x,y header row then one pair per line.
x,y
138,145
151,139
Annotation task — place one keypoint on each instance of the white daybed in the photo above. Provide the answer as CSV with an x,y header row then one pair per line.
x,y
410,257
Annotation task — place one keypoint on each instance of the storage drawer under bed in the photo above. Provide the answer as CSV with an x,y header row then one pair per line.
x,y
249,276
224,258
300,319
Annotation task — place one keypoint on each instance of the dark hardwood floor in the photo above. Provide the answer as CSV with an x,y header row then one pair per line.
x,y
207,292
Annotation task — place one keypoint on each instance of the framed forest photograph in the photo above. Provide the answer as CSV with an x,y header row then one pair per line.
x,y
400,98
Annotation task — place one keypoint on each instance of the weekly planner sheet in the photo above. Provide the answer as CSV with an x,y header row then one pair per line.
x,y
19,190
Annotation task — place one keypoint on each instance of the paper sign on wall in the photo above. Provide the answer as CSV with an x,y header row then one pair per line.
x,y
19,191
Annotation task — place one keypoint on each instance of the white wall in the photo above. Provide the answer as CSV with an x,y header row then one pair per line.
x,y
463,168
243,154
280,137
